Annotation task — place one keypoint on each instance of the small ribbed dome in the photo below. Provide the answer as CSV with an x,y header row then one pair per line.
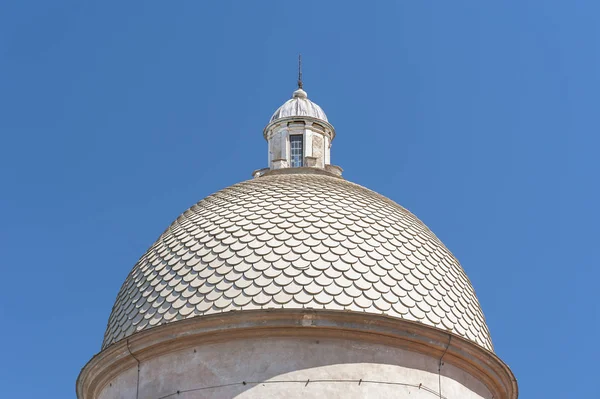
x,y
299,105
298,240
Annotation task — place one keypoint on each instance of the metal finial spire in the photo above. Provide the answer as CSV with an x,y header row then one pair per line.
x,y
300,71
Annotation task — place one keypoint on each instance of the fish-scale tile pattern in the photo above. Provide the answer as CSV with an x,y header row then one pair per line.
x,y
298,241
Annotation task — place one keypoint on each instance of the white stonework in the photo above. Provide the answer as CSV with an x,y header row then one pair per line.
x,y
295,368
297,284
296,353
299,105
295,239
302,117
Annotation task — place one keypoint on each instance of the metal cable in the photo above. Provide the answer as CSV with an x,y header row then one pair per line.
x,y
305,383
137,388
441,364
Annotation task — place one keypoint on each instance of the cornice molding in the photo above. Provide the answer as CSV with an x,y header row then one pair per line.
x,y
329,129
379,329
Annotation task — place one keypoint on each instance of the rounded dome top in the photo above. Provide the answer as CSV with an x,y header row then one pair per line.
x,y
299,105
298,240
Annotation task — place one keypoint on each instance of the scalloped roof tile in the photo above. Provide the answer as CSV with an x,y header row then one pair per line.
x,y
298,241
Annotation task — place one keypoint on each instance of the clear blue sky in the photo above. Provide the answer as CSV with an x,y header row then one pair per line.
x,y
479,117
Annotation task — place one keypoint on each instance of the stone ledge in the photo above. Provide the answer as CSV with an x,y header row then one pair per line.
x,y
386,330
329,170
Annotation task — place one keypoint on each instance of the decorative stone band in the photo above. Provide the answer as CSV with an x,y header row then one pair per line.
x,y
318,125
330,170
467,356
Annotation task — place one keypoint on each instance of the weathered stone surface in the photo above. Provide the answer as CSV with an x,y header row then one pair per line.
x,y
299,105
299,116
298,241
294,368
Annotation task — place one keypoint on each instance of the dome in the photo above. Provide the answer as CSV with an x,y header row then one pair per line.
x,y
299,105
298,240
